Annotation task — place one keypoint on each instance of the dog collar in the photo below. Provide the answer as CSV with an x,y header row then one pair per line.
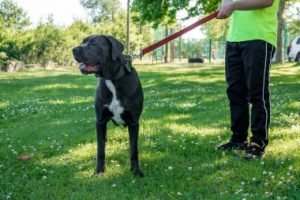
x,y
125,68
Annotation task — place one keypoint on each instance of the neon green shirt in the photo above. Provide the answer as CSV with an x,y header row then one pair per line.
x,y
260,24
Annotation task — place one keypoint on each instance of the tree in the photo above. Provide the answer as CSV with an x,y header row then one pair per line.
x,y
100,10
12,16
283,5
293,23
216,29
163,12
13,19
278,55
157,11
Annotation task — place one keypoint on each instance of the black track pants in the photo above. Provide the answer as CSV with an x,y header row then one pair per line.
x,y
247,67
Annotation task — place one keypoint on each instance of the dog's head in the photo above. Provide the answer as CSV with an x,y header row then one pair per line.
x,y
99,54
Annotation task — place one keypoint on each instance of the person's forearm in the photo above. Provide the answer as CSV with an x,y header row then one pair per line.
x,y
250,4
228,7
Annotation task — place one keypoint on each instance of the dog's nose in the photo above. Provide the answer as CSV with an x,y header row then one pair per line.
x,y
75,50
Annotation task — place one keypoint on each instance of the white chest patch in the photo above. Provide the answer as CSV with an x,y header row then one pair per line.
x,y
115,106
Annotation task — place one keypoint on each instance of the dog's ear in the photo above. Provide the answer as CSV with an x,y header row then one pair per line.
x,y
116,47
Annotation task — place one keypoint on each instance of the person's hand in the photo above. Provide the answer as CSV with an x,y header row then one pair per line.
x,y
225,10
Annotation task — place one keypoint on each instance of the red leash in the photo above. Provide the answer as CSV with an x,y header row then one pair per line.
x,y
179,33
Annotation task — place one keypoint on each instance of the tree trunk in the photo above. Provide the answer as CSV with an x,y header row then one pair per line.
x,y
172,48
279,54
128,27
167,46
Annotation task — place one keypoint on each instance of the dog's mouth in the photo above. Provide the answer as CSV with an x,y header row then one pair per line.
x,y
88,68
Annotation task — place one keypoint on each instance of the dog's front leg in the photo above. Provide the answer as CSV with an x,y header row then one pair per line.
x,y
133,130
101,140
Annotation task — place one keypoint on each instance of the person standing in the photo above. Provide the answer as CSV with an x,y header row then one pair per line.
x,y
251,43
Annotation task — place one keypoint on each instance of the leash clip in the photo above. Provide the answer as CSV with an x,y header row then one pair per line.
x,y
137,55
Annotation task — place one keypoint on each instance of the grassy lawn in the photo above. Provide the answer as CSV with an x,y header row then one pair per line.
x,y
49,114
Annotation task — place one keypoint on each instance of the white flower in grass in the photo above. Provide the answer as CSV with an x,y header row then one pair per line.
x,y
242,183
179,193
244,199
239,190
246,194
264,172
280,182
272,177
44,170
170,168
114,185
266,184
190,168
80,168
262,163
290,167
44,177
288,173
133,181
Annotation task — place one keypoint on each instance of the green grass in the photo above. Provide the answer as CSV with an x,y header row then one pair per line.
x,y
49,114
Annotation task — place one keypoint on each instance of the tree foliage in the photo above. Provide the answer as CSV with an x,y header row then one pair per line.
x,y
293,23
164,11
12,16
101,10
13,19
49,42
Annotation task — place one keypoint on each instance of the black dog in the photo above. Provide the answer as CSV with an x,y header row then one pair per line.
x,y
119,95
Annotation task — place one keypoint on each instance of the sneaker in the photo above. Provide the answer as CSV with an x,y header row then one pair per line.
x,y
232,146
253,150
